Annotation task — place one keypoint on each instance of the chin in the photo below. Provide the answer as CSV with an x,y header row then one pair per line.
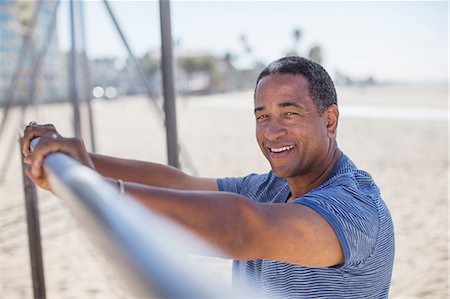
x,y
282,173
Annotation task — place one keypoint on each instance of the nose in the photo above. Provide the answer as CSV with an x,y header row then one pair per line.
x,y
274,129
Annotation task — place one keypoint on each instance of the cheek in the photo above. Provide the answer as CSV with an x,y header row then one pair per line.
x,y
320,136
312,134
259,133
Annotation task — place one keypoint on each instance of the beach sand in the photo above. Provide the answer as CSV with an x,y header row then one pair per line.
x,y
397,133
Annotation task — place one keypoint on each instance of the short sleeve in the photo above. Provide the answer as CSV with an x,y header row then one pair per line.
x,y
265,187
233,185
352,215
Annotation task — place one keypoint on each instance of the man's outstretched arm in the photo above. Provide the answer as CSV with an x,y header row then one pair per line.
x,y
151,174
146,173
246,230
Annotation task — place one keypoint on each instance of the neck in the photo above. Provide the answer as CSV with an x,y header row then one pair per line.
x,y
299,186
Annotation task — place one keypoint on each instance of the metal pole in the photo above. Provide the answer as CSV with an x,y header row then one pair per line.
x,y
34,235
136,62
21,59
87,77
174,148
73,75
168,83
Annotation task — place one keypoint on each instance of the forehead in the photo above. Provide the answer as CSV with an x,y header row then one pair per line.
x,y
281,87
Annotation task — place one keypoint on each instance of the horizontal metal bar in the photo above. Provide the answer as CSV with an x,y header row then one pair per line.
x,y
149,250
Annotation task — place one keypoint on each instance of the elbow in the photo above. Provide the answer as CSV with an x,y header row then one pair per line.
x,y
247,230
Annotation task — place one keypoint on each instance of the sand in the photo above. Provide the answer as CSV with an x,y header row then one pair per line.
x,y
397,133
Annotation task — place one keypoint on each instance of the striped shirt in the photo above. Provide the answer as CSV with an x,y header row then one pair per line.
x,y
350,201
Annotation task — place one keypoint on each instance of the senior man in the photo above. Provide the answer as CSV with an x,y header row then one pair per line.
x,y
313,226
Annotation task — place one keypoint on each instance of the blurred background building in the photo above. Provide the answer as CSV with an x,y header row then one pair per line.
x,y
197,71
16,17
211,58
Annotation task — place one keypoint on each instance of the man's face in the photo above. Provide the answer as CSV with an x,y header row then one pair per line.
x,y
289,130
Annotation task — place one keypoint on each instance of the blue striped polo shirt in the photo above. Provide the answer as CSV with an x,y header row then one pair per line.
x,y
350,201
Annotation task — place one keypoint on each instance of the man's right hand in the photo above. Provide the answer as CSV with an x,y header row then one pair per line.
x,y
50,141
32,131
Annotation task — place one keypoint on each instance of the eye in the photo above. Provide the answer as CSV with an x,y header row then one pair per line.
x,y
261,117
290,113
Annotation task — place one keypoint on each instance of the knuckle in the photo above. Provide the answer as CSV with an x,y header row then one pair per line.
x,y
74,140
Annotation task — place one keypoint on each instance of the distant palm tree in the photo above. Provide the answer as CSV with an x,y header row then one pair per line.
x,y
297,37
315,53
244,41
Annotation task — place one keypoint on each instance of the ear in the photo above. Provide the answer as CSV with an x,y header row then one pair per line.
x,y
332,118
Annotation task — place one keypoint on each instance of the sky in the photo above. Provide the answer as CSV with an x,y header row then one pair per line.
x,y
405,41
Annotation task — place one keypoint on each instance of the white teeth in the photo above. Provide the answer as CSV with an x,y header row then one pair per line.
x,y
282,149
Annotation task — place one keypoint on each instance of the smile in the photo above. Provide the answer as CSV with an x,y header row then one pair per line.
x,y
281,149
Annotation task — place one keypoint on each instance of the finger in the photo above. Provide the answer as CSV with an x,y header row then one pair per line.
x,y
48,143
26,150
30,175
33,132
36,165
27,160
41,182
28,135
42,149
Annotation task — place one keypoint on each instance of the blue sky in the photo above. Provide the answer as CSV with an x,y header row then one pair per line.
x,y
401,41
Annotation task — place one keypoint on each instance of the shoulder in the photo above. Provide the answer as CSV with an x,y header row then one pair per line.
x,y
253,184
350,201
349,190
350,181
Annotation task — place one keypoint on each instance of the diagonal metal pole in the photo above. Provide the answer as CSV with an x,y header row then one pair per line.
x,y
34,234
168,83
136,62
169,102
73,93
27,44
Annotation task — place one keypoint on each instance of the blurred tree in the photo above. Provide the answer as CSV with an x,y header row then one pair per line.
x,y
25,12
228,58
297,37
151,64
244,42
197,64
315,53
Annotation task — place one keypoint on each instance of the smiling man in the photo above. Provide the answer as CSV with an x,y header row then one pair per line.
x,y
315,226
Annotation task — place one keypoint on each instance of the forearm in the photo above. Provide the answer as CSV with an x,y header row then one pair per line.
x,y
146,173
225,220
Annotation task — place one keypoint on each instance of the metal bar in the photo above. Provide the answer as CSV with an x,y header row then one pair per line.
x,y
168,83
87,77
34,235
73,74
27,44
136,62
149,250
